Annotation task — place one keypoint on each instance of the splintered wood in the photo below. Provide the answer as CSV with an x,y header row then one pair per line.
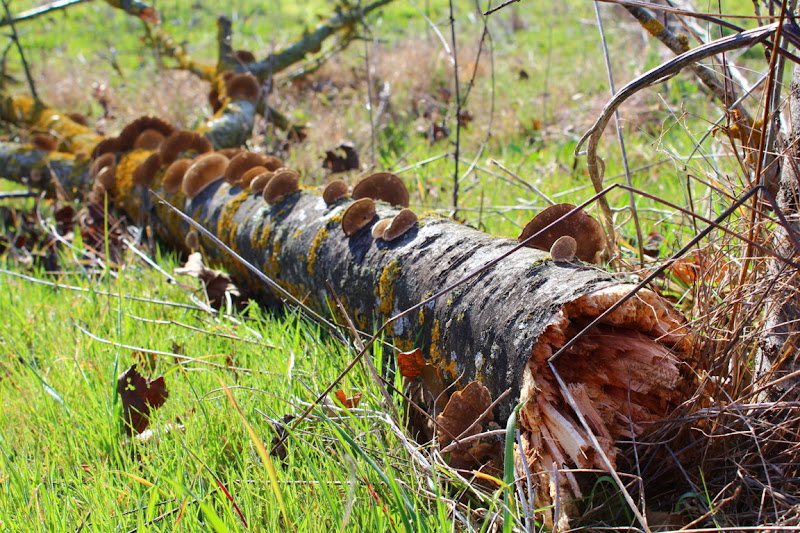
x,y
621,374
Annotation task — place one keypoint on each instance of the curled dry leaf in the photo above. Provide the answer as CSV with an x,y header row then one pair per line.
x,y
346,402
411,363
462,411
216,283
140,396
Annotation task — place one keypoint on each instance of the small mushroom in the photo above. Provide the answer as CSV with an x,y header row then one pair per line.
x,y
334,191
78,118
106,177
110,145
244,56
201,144
260,182
213,99
587,232
204,171
242,87
192,240
129,134
358,216
108,159
401,223
149,139
382,186
282,184
173,177
146,171
45,142
241,163
563,250
380,227
249,175
272,163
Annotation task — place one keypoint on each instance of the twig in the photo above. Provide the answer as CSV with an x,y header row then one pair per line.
x,y
498,8
15,38
522,182
39,11
458,110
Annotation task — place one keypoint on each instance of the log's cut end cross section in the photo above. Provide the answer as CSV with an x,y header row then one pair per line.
x,y
621,374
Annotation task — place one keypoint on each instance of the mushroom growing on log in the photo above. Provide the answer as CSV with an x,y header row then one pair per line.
x,y
499,327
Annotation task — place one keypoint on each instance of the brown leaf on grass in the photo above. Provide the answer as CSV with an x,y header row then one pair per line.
x,y
346,402
341,159
216,282
279,440
140,396
462,411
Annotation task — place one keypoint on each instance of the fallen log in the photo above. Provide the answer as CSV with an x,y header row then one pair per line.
x,y
500,327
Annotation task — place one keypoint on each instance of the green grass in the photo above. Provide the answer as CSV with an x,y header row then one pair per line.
x,y
64,461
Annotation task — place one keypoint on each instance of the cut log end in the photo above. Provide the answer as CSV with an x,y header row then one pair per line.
x,y
621,374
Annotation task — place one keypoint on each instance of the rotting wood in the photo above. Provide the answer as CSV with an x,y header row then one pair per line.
x,y
500,327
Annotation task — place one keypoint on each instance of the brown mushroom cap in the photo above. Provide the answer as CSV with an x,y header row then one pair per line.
x,y
128,135
108,159
272,163
173,177
146,171
260,182
563,250
358,216
401,223
382,186
380,227
333,191
149,139
213,99
249,175
78,118
110,145
282,184
230,153
242,87
587,232
45,142
203,171
106,177
241,163
181,141
245,56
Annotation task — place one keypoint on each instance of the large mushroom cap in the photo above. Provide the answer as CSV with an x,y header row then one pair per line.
x,y
204,171
249,175
401,223
241,163
382,186
181,141
581,226
173,177
106,146
333,191
149,139
242,86
282,184
259,183
146,171
358,216
128,135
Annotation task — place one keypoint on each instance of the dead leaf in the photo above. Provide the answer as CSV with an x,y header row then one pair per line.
x,y
216,282
411,363
140,396
462,411
279,450
346,402
341,159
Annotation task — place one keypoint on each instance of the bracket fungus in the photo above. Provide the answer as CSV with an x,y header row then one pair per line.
x,y
45,142
204,171
382,186
581,226
358,216
181,141
173,177
282,184
334,191
149,139
146,171
380,227
241,163
400,224
258,183
249,175
242,87
106,146
230,153
563,250
129,134
244,56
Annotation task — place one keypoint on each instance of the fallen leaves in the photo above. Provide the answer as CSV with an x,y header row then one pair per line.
x,y
140,396
218,285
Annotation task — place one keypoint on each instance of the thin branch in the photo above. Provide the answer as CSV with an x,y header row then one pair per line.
x,y
15,38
